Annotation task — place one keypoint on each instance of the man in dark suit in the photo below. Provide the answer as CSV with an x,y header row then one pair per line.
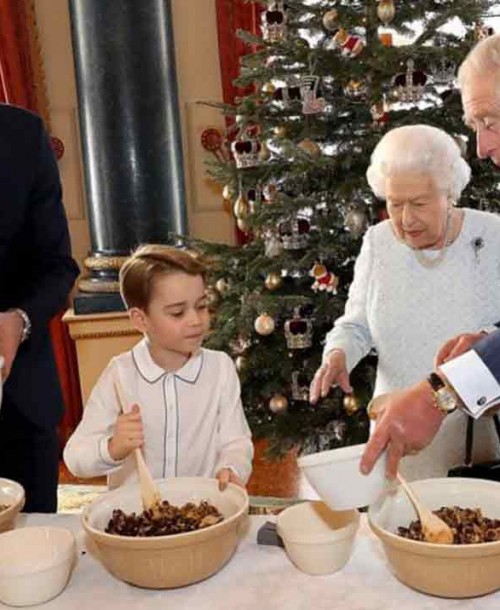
x,y
36,276
468,366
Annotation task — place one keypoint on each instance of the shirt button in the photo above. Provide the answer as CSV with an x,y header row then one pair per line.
x,y
481,401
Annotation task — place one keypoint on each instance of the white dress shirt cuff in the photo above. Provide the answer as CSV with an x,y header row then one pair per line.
x,y
473,382
104,453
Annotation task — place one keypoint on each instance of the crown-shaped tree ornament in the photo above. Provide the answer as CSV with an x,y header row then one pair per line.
x,y
409,86
246,149
443,71
274,22
298,331
287,94
294,232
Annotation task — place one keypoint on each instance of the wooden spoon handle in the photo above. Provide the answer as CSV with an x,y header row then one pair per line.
x,y
149,491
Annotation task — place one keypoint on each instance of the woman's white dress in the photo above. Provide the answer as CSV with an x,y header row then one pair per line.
x,y
407,311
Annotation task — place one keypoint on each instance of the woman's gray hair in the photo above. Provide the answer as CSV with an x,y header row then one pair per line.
x,y
483,60
420,149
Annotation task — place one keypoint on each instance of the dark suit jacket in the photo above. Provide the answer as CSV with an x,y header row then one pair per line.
x,y
489,352
36,267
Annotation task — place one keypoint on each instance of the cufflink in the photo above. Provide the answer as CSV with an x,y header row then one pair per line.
x,y
481,401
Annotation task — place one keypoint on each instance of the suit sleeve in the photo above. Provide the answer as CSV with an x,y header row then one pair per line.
x,y
54,270
235,440
475,375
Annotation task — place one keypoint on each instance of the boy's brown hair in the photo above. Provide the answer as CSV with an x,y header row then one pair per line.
x,y
149,262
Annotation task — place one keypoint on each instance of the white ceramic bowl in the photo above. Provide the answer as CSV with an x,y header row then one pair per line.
x,y
163,562
336,478
11,494
317,539
35,564
446,570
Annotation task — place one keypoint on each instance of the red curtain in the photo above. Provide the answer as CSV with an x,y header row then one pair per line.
x,y
234,15
22,84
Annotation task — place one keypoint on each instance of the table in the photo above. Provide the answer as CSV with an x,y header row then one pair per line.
x,y
257,578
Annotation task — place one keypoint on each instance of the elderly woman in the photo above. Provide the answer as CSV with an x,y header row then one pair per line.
x,y
428,273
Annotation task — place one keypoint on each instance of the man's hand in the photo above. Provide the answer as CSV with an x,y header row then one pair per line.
x,y
456,347
11,330
409,422
226,476
332,371
128,434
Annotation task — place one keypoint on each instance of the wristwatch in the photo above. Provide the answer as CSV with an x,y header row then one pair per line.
x,y
445,399
26,323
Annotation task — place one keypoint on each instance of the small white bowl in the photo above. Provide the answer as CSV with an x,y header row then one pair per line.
x,y
318,540
11,494
35,564
336,478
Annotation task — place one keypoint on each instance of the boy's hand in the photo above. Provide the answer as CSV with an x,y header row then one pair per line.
x,y
128,434
225,476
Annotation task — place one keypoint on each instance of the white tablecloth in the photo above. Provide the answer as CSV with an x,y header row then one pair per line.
x,y
257,578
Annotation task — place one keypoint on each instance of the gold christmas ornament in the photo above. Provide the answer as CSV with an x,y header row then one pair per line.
x,y
228,192
241,363
351,404
273,281
242,225
264,324
330,20
264,153
268,88
213,297
311,148
241,207
386,11
278,403
280,131
221,285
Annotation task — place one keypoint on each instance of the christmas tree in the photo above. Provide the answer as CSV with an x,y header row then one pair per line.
x,y
325,80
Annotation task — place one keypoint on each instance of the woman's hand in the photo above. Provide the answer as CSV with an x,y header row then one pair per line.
x,y
128,434
333,371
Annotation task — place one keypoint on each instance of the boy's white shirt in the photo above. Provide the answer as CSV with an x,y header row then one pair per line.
x,y
193,419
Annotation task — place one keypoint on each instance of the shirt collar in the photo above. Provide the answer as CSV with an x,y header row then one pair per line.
x,y
151,372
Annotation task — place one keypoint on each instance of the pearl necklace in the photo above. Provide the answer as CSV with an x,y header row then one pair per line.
x,y
431,262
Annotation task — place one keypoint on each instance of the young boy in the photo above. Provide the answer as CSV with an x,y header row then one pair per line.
x,y
184,408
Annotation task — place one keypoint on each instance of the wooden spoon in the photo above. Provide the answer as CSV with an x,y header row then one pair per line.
x,y
150,494
434,529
